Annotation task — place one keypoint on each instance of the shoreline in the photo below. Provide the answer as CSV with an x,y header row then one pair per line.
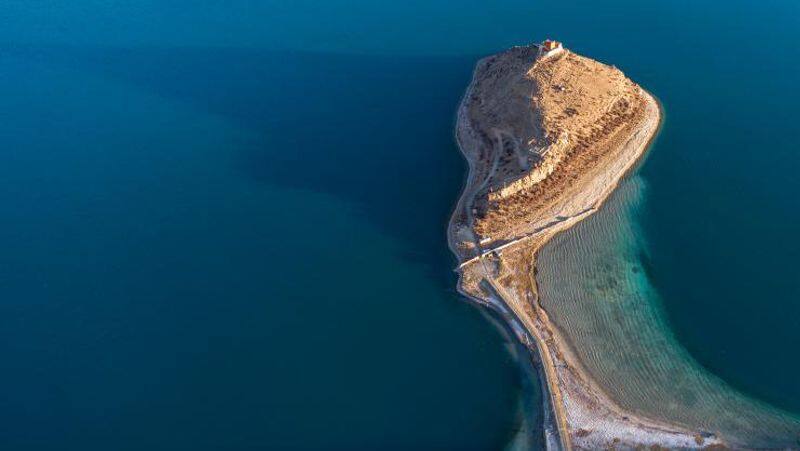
x,y
571,398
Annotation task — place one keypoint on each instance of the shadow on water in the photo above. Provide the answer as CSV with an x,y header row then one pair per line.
x,y
392,155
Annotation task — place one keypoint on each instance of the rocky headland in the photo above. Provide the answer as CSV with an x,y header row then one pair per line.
x,y
548,134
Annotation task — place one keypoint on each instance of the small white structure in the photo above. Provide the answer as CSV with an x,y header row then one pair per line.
x,y
550,48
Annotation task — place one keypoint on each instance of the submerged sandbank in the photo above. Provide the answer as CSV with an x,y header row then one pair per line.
x,y
594,285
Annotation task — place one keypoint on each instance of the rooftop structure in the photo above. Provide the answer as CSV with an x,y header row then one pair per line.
x,y
550,47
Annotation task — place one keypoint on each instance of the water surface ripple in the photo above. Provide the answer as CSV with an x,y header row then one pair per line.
x,y
595,285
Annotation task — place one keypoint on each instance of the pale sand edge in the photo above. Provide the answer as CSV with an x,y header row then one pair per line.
x,y
568,399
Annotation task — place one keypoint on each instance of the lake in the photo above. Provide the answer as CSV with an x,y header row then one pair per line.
x,y
224,224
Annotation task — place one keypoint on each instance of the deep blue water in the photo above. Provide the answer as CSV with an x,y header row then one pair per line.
x,y
223,222
234,248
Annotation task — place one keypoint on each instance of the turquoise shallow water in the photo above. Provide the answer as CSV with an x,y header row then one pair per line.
x,y
212,209
595,281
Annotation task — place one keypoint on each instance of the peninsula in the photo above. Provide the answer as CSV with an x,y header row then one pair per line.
x,y
548,134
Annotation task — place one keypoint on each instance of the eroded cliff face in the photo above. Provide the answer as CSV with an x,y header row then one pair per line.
x,y
541,121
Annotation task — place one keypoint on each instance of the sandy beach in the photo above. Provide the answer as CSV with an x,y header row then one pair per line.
x,y
548,136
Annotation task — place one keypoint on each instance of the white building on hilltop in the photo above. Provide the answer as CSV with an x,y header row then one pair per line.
x,y
549,48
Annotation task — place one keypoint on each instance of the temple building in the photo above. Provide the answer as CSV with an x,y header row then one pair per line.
x,y
550,47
